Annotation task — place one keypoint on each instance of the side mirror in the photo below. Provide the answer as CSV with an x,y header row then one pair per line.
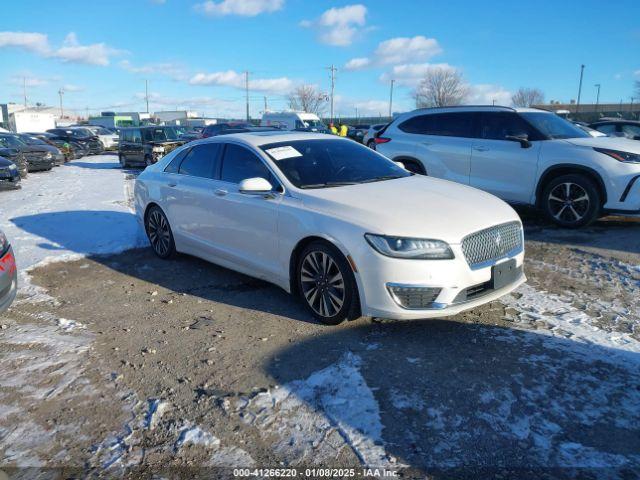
x,y
522,139
255,186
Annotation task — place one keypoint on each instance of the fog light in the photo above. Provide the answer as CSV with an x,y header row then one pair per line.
x,y
413,297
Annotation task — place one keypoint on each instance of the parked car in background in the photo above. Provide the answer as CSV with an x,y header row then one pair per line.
x,y
357,132
108,138
10,149
146,145
524,156
618,128
81,136
368,139
8,274
589,130
220,128
333,222
71,150
38,144
299,121
38,157
9,174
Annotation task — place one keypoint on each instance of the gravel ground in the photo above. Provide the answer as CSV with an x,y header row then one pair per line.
x,y
135,366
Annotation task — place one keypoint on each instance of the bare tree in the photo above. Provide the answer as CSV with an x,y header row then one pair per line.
x,y
441,87
307,99
525,97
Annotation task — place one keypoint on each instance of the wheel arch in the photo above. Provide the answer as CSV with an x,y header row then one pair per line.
x,y
414,160
567,169
149,206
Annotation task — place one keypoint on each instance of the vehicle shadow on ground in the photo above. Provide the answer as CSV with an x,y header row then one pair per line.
x,y
90,232
611,233
95,166
469,401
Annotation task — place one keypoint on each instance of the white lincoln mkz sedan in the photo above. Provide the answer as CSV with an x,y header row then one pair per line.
x,y
349,231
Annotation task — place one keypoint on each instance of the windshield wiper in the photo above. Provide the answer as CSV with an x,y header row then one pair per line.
x,y
329,184
380,179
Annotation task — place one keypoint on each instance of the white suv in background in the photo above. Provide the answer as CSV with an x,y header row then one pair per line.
x,y
522,155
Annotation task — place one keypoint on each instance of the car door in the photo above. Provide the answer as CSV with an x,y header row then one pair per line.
x,y
136,147
505,167
188,198
443,144
247,224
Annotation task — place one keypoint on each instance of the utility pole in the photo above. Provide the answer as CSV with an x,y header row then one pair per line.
x,y
24,90
631,107
146,93
246,87
597,85
61,92
266,107
356,114
391,98
580,88
333,71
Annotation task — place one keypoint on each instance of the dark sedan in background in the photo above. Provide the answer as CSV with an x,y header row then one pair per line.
x,y
8,274
9,174
10,149
36,144
38,158
81,136
618,128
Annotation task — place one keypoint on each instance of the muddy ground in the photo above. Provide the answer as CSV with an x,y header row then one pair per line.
x,y
137,366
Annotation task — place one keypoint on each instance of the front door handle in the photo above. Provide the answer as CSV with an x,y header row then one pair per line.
x,y
172,184
220,192
481,149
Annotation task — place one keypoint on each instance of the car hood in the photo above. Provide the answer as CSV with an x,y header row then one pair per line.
x,y
9,152
614,143
415,206
41,149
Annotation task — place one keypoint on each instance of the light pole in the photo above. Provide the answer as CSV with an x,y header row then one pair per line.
x,y
579,88
333,70
631,107
246,87
61,92
391,99
597,85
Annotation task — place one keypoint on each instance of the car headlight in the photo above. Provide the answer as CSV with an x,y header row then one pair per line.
x,y
414,248
625,157
48,156
158,149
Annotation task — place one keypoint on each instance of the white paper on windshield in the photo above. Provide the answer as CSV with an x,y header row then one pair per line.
x,y
282,153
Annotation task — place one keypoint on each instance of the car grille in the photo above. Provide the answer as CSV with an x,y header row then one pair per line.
x,y
492,243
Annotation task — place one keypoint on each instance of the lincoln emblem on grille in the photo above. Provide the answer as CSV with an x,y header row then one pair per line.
x,y
498,239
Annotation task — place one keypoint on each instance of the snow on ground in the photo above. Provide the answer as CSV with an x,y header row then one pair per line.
x,y
312,420
80,208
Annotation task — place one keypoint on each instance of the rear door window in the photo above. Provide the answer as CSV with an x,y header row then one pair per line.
x,y
452,124
201,161
240,163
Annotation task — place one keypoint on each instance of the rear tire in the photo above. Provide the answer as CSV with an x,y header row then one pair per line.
x,y
371,144
148,160
123,161
159,233
571,201
326,284
413,166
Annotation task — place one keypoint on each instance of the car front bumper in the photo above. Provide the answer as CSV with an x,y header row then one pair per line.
x,y
8,279
450,279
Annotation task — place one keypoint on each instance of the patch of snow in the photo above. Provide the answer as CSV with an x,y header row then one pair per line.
x,y
313,420
196,436
157,408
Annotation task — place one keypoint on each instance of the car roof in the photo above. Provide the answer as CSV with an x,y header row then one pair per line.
x,y
631,122
257,139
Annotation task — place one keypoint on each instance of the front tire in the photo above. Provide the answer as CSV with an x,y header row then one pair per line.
x,y
122,160
159,233
571,201
326,284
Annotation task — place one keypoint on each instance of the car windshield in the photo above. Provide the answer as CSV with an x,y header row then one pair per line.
x,y
331,163
163,134
314,124
81,132
552,126
11,141
102,131
29,140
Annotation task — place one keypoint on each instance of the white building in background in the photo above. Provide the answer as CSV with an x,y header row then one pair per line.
x,y
31,121
173,115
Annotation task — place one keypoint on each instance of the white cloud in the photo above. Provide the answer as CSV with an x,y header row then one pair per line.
x,y
169,69
339,26
357,63
28,80
407,49
485,94
231,78
69,87
411,74
94,54
399,50
33,42
245,8
636,73
70,51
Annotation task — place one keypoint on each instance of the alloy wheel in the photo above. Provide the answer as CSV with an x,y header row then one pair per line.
x,y
568,202
159,233
322,283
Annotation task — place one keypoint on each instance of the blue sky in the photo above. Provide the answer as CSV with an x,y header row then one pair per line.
x,y
194,52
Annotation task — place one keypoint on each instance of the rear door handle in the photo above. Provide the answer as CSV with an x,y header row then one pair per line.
x,y
481,149
172,184
220,192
